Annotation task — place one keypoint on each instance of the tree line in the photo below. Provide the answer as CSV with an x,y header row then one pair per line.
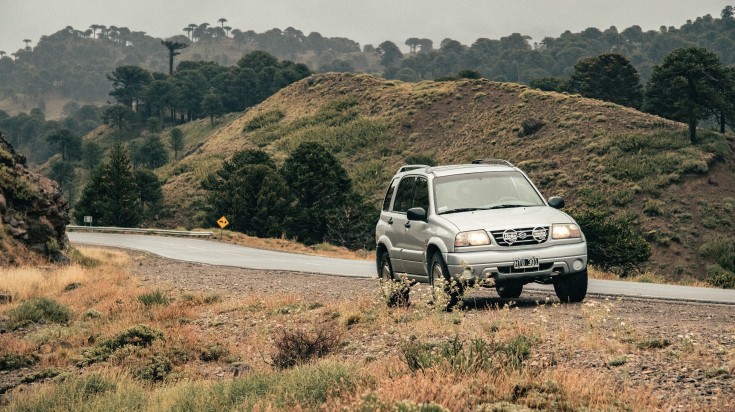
x,y
74,62
196,89
310,198
513,58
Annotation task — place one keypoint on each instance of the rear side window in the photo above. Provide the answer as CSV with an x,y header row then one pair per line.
x,y
389,195
404,194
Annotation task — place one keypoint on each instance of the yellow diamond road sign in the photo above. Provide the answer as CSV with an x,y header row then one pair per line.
x,y
222,222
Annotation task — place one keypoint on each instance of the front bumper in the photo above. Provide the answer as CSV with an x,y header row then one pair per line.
x,y
556,260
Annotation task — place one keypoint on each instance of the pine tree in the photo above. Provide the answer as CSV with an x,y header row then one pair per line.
x,y
111,197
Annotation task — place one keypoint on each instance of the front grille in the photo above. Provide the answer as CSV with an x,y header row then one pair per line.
x,y
521,237
509,270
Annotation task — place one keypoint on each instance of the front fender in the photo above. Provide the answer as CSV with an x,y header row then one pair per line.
x,y
434,243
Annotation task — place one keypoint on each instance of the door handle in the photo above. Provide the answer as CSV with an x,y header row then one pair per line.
x,y
390,221
407,224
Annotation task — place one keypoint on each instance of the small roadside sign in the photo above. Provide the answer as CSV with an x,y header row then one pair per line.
x,y
222,222
88,220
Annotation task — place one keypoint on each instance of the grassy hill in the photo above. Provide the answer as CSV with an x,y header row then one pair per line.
x,y
595,154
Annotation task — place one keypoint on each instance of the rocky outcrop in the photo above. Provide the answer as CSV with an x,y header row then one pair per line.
x,y
33,211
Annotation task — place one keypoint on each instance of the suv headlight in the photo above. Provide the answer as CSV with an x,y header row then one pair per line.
x,y
565,231
472,238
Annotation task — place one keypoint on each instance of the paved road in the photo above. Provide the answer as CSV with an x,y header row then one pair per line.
x,y
216,253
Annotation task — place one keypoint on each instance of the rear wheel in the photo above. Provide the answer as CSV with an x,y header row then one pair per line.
x,y
396,293
385,269
439,275
571,288
509,290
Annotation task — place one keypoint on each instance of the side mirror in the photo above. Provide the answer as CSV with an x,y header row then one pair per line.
x,y
556,202
416,213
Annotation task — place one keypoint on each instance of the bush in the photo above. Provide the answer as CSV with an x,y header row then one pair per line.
x,y
720,251
156,370
455,355
262,120
13,361
722,278
140,336
613,244
530,126
214,353
299,346
154,298
38,310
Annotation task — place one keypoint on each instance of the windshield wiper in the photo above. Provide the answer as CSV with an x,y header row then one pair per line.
x,y
462,209
506,206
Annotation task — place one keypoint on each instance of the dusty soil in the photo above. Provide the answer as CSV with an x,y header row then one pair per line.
x,y
683,352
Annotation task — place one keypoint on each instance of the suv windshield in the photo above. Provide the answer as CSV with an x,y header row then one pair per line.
x,y
482,191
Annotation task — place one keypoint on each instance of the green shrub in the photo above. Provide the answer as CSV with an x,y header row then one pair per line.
x,y
720,251
516,351
41,375
304,387
38,310
139,335
214,353
654,343
13,361
722,278
455,355
263,120
619,361
155,370
613,243
154,298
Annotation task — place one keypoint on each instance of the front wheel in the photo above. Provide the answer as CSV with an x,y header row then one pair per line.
x,y
571,288
439,274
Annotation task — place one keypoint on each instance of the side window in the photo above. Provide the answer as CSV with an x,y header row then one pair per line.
x,y
421,194
389,195
404,194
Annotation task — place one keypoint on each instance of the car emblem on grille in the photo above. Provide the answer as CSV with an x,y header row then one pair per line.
x,y
539,234
510,236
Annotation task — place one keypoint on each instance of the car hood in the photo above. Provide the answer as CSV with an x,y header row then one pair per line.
x,y
501,219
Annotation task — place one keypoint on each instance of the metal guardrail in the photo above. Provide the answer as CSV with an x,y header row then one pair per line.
x,y
75,228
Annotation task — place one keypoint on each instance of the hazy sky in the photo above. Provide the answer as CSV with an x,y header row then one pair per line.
x,y
366,21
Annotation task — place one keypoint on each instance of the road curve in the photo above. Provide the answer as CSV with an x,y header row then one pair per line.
x,y
217,253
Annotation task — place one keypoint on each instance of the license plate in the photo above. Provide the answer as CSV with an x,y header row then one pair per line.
x,y
525,263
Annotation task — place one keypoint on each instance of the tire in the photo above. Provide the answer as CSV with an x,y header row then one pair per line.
x,y
571,288
509,290
385,268
396,293
439,271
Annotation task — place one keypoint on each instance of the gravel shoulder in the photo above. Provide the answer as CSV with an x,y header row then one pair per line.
x,y
684,353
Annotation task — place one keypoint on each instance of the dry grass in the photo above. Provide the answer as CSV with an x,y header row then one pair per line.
x,y
285,245
205,338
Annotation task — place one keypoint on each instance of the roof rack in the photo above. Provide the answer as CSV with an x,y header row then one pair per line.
x,y
406,168
490,161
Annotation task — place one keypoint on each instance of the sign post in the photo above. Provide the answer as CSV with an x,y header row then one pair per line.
x,y
222,222
88,220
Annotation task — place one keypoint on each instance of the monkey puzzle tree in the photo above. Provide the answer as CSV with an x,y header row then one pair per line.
x,y
609,77
687,87
173,51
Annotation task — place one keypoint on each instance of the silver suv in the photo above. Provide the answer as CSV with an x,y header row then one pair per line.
x,y
475,222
